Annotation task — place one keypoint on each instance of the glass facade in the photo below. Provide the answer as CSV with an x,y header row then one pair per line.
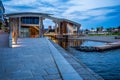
x,y
30,20
30,32
25,32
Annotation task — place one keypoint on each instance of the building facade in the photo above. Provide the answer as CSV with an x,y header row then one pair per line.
x,y
29,24
2,11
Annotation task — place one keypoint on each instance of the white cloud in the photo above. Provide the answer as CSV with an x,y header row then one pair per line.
x,y
76,10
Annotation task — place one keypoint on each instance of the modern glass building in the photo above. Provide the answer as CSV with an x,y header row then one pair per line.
x,y
26,24
30,24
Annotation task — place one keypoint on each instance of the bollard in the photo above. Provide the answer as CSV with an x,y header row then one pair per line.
x,y
10,40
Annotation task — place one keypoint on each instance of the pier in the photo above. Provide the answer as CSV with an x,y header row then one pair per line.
x,y
37,59
110,43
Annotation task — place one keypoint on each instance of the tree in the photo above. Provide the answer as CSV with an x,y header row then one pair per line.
x,y
118,28
0,25
92,28
109,29
86,31
99,29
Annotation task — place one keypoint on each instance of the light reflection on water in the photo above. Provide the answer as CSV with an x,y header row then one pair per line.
x,y
106,64
92,43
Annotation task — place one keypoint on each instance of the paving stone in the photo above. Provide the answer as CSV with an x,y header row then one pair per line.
x,y
35,78
28,62
52,77
83,71
38,72
2,70
21,74
68,72
89,77
72,76
52,71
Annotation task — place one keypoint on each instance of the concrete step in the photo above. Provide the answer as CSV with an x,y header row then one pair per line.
x,y
66,70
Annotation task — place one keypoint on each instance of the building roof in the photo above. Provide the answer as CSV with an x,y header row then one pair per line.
x,y
40,14
67,20
26,13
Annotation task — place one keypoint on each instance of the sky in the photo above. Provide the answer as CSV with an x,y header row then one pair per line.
x,y
89,13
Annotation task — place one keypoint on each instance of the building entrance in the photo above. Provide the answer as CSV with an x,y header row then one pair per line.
x,y
29,31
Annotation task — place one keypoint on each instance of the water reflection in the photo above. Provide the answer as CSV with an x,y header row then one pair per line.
x,y
68,43
106,64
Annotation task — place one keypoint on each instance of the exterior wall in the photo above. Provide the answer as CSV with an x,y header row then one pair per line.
x,y
26,26
2,10
71,28
36,20
67,28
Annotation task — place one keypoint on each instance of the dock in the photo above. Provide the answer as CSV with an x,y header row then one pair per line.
x,y
37,59
108,46
111,43
105,47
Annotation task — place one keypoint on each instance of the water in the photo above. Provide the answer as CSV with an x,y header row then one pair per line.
x,y
106,64
92,43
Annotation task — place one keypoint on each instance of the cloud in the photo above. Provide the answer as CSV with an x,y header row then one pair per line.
x,y
77,10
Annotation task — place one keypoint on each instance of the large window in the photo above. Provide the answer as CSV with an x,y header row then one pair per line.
x,y
30,20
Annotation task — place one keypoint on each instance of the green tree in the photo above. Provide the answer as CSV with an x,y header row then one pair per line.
x,y
118,28
0,25
99,29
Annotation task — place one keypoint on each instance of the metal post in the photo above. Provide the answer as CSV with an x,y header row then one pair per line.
x,y
19,26
41,27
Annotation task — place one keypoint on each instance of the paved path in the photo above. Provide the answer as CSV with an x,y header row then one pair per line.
x,y
4,39
29,60
32,59
100,38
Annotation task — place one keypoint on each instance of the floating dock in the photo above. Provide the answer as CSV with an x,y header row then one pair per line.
x,y
108,46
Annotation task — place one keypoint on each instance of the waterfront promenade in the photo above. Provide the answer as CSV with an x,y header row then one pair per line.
x,y
35,59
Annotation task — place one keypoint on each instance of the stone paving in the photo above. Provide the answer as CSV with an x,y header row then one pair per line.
x,y
30,59
4,39
66,70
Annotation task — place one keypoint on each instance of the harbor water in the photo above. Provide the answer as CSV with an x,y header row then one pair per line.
x,y
106,64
